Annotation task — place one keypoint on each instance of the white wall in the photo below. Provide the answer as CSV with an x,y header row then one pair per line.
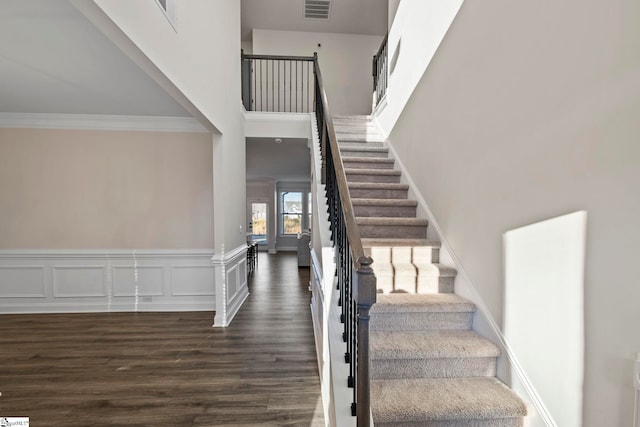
x,y
529,111
417,30
345,62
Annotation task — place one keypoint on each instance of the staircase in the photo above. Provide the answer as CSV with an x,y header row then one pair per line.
x,y
427,367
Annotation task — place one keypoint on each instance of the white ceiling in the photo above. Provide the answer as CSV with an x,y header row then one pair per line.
x,y
347,16
53,60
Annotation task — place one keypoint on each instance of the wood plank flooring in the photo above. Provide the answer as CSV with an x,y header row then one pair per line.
x,y
169,369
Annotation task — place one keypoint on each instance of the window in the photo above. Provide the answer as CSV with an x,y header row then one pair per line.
x,y
169,9
292,212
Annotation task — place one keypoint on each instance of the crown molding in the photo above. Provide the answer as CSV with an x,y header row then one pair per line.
x,y
100,122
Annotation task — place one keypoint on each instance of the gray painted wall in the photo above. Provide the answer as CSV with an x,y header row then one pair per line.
x,y
528,111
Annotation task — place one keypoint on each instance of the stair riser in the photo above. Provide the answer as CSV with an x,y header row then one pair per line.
x,y
500,422
391,179
421,321
377,193
366,165
432,256
357,145
347,152
385,211
384,369
435,285
356,129
359,137
393,231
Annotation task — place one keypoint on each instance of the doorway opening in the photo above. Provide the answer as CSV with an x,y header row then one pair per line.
x,y
258,225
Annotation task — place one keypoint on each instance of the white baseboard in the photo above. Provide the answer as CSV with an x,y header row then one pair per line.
x,y
54,281
483,323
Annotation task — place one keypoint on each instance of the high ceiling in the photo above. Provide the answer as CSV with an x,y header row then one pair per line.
x,y
53,60
347,16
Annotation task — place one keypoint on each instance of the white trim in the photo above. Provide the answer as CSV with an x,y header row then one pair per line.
x,y
224,257
100,122
102,291
475,297
266,116
227,264
103,253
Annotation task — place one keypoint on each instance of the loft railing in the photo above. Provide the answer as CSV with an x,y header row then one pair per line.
x,y
356,280
294,84
277,83
380,71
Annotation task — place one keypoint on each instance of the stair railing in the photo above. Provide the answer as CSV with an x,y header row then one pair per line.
x,y
355,277
277,83
380,71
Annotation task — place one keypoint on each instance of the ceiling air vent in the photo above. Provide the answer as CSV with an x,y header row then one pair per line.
x,y
317,9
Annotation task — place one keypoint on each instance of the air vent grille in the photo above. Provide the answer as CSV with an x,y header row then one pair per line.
x,y
317,9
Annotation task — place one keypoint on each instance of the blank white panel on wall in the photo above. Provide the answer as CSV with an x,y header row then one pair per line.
x,y
544,310
78,282
22,282
232,281
141,281
192,280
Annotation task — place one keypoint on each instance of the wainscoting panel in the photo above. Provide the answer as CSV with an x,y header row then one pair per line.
x,y
79,282
41,281
137,281
231,284
22,282
192,280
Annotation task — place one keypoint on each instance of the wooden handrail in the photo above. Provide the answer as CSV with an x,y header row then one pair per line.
x,y
278,57
353,233
356,279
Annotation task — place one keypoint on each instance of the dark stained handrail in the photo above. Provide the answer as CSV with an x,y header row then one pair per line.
x,y
358,287
356,280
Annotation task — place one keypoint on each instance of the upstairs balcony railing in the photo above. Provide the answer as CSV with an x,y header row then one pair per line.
x,y
278,83
380,71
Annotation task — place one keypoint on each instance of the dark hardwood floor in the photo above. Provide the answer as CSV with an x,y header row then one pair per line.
x,y
169,369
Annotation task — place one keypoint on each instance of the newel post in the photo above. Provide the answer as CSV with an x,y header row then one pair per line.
x,y
364,288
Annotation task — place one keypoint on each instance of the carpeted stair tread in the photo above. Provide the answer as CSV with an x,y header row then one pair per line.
x,y
373,175
371,242
383,202
356,162
391,172
430,344
421,303
425,400
357,145
361,138
356,128
351,118
364,151
378,185
385,221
